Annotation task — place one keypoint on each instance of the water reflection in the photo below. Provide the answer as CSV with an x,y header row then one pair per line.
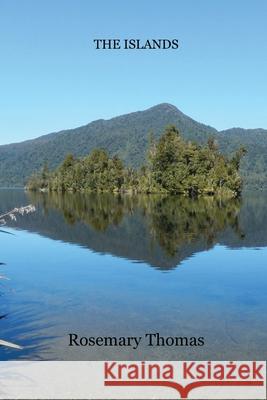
x,y
159,230
57,288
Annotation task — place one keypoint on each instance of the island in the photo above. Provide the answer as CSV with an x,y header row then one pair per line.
x,y
173,166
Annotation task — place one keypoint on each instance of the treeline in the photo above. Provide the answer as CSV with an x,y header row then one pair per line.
x,y
173,166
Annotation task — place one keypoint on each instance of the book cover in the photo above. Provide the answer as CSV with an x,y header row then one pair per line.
x,y
133,213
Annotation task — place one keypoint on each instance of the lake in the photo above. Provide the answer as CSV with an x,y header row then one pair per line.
x,y
112,265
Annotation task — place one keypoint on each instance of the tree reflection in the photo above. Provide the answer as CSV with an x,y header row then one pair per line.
x,y
172,222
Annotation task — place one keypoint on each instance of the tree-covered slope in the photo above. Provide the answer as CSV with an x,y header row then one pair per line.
x,y
254,164
127,136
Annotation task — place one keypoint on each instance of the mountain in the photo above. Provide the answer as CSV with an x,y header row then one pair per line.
x,y
127,136
254,165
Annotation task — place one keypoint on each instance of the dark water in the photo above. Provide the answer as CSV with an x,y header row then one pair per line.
x,y
104,265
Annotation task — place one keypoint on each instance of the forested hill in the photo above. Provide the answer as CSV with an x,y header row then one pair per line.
x,y
254,164
127,136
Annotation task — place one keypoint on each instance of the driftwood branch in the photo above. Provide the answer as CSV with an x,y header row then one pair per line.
x,y
9,344
12,215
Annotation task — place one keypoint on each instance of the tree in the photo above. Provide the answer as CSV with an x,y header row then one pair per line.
x,y
174,166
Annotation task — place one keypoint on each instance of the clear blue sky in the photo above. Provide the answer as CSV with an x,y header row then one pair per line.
x,y
52,78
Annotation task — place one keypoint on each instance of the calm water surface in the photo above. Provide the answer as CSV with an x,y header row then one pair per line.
x,y
104,265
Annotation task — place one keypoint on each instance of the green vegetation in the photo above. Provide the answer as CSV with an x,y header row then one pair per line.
x,y
126,137
174,166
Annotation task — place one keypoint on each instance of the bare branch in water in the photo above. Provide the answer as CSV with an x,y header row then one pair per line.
x,y
12,214
4,277
9,344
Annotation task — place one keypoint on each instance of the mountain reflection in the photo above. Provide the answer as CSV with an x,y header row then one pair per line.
x,y
161,231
